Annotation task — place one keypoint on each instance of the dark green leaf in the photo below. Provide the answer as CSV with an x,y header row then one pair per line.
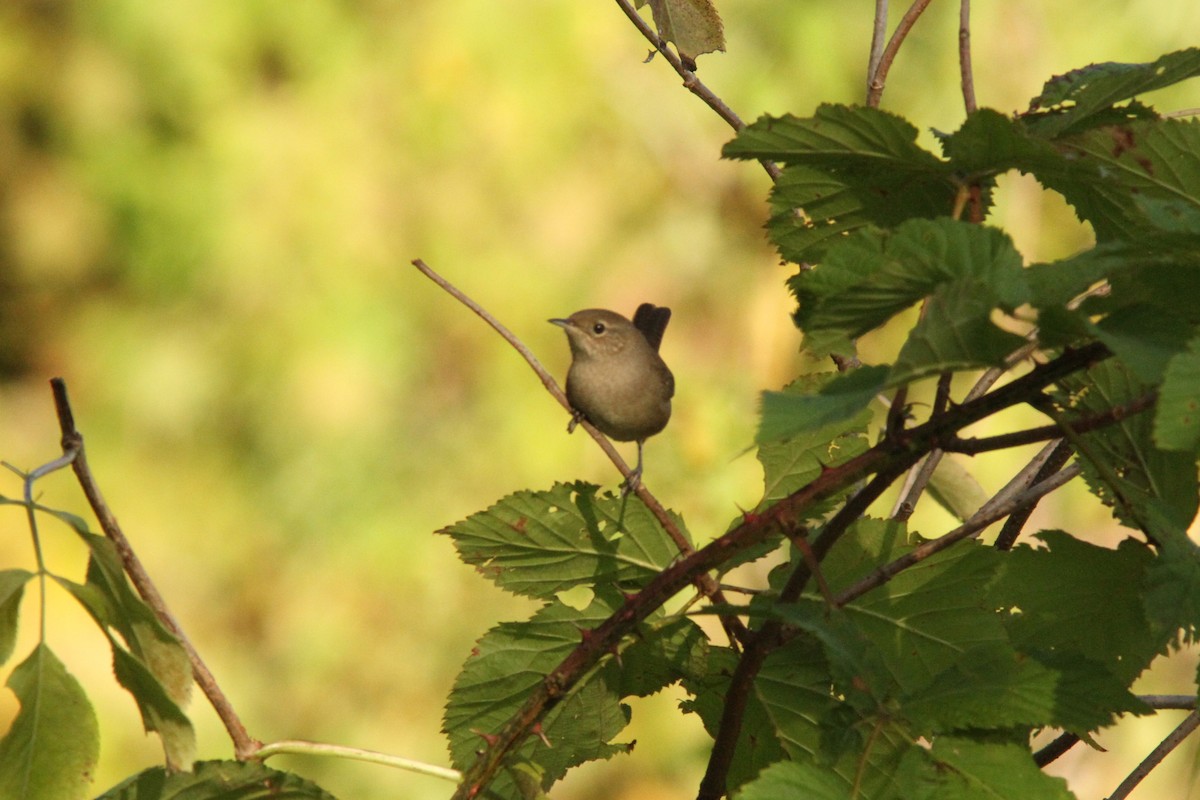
x,y
1081,97
541,543
794,687
513,658
1106,171
795,461
51,749
958,768
928,617
1173,588
798,779
243,780
874,275
840,402
1074,597
955,333
999,690
1177,419
1121,463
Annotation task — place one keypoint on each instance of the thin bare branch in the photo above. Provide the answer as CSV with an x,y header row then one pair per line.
x,y
878,37
72,442
964,55
879,76
690,81
1190,723
1052,458
972,527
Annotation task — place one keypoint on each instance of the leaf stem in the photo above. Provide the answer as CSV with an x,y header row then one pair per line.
x,y
299,747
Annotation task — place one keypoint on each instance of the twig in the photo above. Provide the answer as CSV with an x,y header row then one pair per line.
x,y
705,583
964,55
1109,416
690,81
878,35
1056,749
72,442
1169,701
1190,723
1056,455
879,76
972,527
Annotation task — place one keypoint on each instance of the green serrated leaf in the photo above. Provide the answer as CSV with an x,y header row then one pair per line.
x,y
928,617
244,780
874,275
51,749
1071,596
958,768
1121,464
541,543
858,751
1173,588
796,779
955,333
840,138
791,463
839,402
847,167
1081,97
1177,418
663,655
513,658
1106,169
114,604
12,589
998,689
693,26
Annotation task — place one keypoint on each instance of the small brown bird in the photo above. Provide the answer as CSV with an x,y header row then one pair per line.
x,y
617,380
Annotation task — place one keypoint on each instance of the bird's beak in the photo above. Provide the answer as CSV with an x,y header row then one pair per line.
x,y
562,323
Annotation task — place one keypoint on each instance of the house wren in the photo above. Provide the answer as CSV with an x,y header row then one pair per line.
x,y
617,380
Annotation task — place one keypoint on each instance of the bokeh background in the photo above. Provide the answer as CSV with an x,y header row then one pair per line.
x,y
207,213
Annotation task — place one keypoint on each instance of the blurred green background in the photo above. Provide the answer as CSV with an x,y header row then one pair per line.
x,y
207,213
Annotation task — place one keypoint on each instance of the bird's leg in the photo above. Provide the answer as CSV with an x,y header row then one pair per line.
x,y
635,478
577,417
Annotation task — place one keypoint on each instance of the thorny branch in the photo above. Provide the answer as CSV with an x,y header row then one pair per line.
x,y
890,456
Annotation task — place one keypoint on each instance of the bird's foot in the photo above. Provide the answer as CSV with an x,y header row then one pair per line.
x,y
631,483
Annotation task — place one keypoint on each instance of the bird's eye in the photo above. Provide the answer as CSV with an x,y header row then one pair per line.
x,y
598,328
